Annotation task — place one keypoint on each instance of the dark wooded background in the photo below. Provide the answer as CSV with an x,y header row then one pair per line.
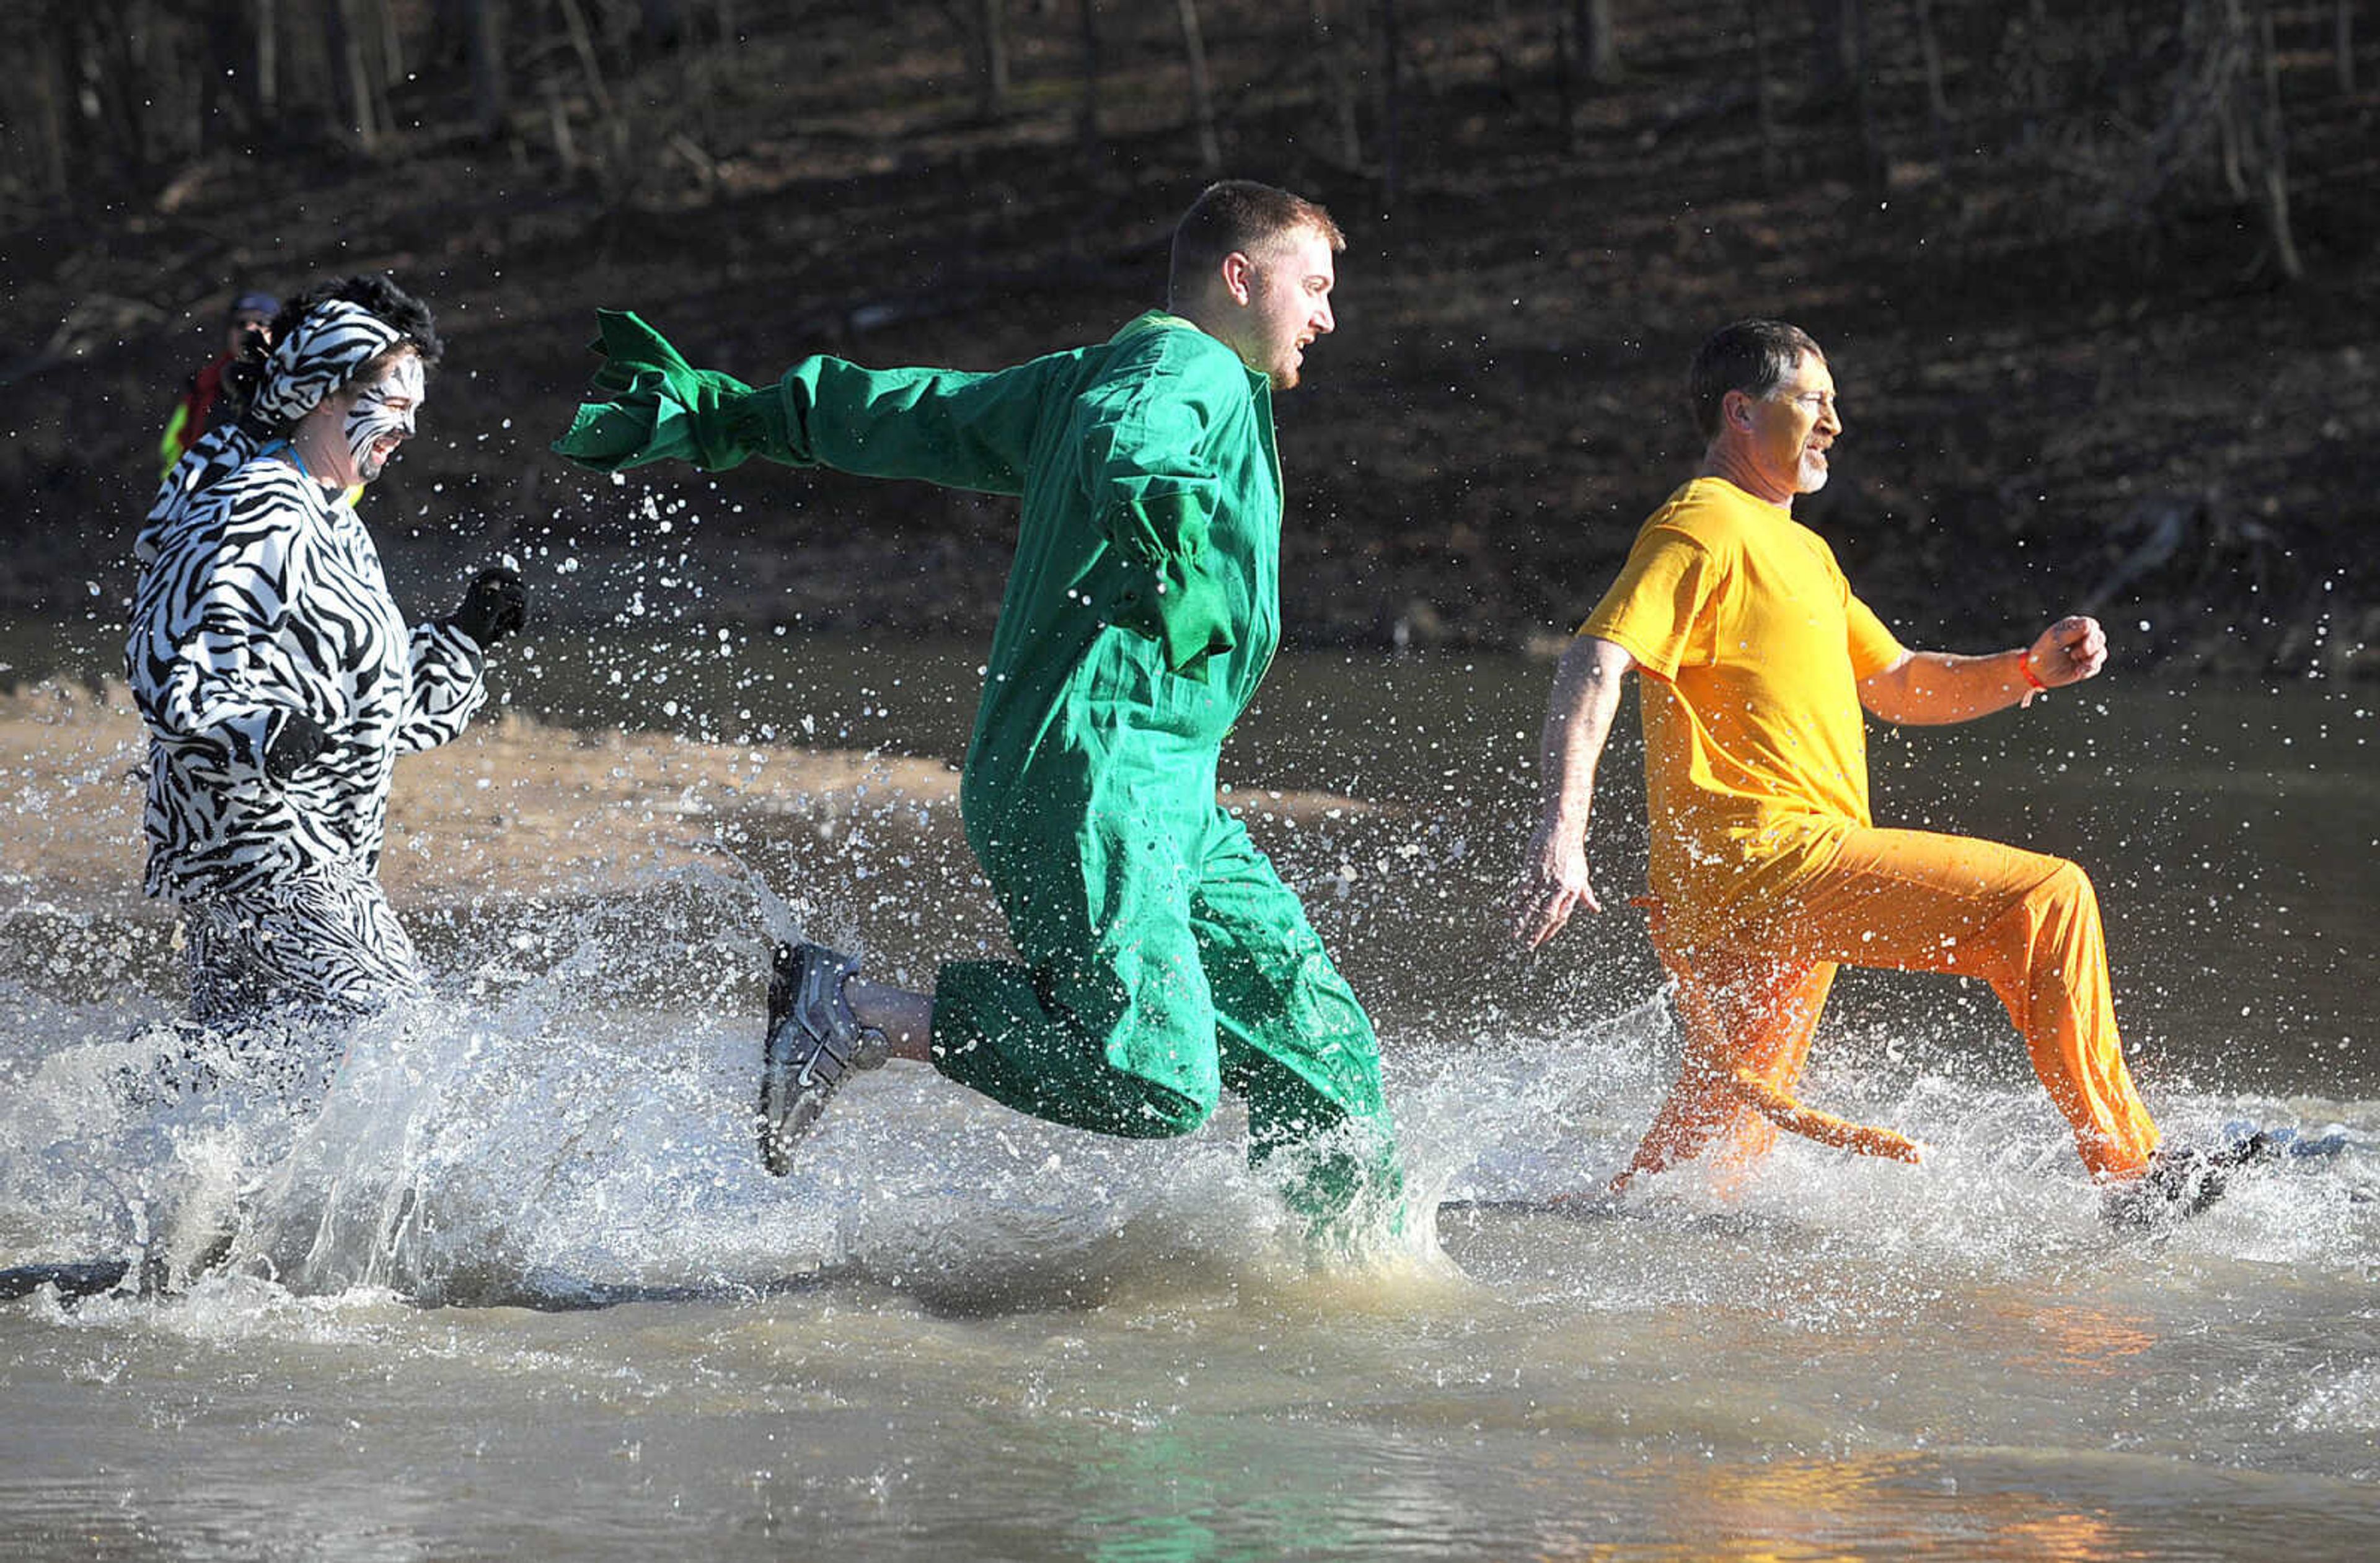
x,y
2098,280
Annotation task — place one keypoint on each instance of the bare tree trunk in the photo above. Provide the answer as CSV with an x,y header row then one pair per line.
x,y
1391,106
1499,34
490,84
2273,150
135,95
351,79
1332,49
1584,55
52,90
1087,121
1832,59
992,31
1937,100
2235,175
226,88
1599,48
1202,93
1566,87
557,119
2220,31
106,76
390,57
1872,152
268,60
582,42
1763,114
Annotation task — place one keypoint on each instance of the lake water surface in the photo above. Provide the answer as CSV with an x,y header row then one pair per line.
x,y
518,1286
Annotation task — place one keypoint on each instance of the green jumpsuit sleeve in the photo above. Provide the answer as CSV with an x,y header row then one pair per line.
x,y
1150,447
947,427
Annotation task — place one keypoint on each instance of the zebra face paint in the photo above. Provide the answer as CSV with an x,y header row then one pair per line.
x,y
381,417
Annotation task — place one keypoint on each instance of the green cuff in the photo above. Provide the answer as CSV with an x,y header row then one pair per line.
x,y
1185,610
1167,595
653,405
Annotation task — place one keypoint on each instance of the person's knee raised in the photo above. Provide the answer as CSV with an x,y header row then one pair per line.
x,y
2068,893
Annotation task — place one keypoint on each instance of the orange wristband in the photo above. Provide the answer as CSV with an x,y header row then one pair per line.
x,y
2024,666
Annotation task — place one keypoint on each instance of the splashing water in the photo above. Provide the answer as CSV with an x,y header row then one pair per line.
x,y
580,1129
954,1331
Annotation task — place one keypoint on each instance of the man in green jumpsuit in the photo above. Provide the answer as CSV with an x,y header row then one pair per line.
x,y
1163,960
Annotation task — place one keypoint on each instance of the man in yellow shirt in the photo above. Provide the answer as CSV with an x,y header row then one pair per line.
x,y
1766,868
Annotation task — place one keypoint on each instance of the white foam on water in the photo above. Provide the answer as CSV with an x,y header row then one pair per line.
x,y
2001,1197
579,1127
2340,1395
572,1124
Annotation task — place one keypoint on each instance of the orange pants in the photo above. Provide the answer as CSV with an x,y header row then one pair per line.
x,y
1912,900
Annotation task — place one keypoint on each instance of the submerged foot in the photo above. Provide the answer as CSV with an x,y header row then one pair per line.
x,y
2182,1182
813,1041
166,1273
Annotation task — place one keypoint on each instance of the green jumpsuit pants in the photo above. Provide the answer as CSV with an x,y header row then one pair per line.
x,y
1163,961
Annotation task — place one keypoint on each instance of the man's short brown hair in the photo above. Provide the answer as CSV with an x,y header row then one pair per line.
x,y
1752,355
1239,214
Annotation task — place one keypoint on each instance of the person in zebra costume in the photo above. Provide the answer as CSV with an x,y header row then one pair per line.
x,y
279,683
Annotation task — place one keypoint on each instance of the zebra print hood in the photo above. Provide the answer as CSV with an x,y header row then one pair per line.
x,y
334,340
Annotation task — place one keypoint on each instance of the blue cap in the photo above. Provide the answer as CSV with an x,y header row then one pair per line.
x,y
255,304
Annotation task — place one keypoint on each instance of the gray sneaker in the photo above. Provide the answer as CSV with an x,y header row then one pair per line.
x,y
2184,1182
814,1040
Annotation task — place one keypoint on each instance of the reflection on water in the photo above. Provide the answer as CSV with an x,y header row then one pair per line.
x,y
2082,1340
952,1333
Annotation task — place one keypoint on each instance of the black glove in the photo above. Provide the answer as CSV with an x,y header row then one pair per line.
x,y
298,744
495,605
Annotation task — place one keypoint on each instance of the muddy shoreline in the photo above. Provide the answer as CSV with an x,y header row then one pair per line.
x,y
513,806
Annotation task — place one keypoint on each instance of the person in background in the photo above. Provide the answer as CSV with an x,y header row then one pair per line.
x,y
1767,871
279,680
1162,958
203,397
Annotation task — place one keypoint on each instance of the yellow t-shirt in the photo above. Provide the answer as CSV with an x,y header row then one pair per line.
x,y
1755,747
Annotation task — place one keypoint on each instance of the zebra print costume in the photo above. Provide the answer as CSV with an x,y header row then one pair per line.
x,y
262,596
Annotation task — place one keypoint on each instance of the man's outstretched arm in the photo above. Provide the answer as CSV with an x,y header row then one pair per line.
x,y
949,427
1930,688
1578,723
